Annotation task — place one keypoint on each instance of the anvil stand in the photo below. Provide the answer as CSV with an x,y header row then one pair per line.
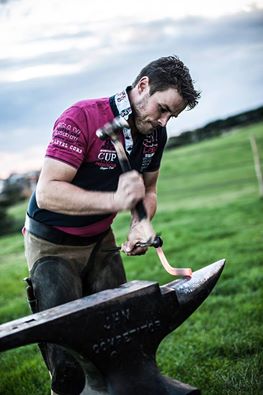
x,y
119,331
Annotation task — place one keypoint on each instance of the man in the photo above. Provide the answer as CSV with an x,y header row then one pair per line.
x,y
81,189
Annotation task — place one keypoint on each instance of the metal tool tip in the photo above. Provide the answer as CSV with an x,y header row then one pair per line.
x,y
100,134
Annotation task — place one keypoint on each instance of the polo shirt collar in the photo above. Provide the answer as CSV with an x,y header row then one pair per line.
x,y
123,107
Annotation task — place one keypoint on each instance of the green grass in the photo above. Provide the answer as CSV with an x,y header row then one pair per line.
x,y
204,214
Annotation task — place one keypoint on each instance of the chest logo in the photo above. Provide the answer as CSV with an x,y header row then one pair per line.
x,y
107,157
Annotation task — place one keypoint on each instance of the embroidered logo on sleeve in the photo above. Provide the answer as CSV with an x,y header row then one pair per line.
x,y
67,137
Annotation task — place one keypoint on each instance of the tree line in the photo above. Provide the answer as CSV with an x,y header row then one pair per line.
x,y
216,128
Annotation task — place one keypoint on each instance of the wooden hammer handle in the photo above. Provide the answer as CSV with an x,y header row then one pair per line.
x,y
126,166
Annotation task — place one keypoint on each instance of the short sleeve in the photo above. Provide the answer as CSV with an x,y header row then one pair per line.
x,y
69,138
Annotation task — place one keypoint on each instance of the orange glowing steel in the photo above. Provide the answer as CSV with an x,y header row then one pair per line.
x,y
185,272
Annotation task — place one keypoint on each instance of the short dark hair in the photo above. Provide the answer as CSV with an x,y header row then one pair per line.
x,y
170,72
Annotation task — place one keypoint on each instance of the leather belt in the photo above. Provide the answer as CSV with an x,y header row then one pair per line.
x,y
56,236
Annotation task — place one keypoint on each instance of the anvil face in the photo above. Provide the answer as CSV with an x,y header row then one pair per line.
x,y
119,330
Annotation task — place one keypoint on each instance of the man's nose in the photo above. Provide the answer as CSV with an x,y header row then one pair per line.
x,y
163,120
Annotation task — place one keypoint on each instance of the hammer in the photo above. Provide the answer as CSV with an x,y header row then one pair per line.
x,y
111,129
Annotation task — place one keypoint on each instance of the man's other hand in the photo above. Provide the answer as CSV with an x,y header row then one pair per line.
x,y
140,232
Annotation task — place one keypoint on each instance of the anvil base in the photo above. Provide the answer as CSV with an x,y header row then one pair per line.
x,y
119,331
172,386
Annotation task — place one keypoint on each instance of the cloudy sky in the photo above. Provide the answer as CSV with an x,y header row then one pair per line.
x,y
55,52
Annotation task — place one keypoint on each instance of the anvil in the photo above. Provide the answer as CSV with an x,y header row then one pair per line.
x,y
118,331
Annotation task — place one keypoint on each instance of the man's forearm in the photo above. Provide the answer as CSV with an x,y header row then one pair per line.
x,y
65,198
150,203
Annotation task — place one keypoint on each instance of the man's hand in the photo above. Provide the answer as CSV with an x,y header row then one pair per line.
x,y
141,231
130,190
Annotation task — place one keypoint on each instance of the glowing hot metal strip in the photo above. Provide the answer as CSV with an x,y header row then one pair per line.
x,y
187,272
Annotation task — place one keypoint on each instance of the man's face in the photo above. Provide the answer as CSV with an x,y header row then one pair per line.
x,y
156,110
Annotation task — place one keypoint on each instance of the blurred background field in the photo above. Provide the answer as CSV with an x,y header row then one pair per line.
x,y
209,209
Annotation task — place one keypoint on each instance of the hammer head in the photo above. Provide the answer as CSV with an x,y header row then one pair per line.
x,y
109,129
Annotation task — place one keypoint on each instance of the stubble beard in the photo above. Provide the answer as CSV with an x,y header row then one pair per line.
x,y
142,124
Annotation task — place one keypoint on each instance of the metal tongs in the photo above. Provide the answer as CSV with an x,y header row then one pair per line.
x,y
157,244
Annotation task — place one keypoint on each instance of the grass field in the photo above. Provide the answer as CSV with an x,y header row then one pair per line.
x,y
209,208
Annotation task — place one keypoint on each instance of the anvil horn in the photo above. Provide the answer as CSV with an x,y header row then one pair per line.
x,y
190,293
106,327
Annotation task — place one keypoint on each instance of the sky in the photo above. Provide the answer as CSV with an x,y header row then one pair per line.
x,y
55,53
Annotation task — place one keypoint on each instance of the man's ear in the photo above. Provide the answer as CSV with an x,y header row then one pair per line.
x,y
143,85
